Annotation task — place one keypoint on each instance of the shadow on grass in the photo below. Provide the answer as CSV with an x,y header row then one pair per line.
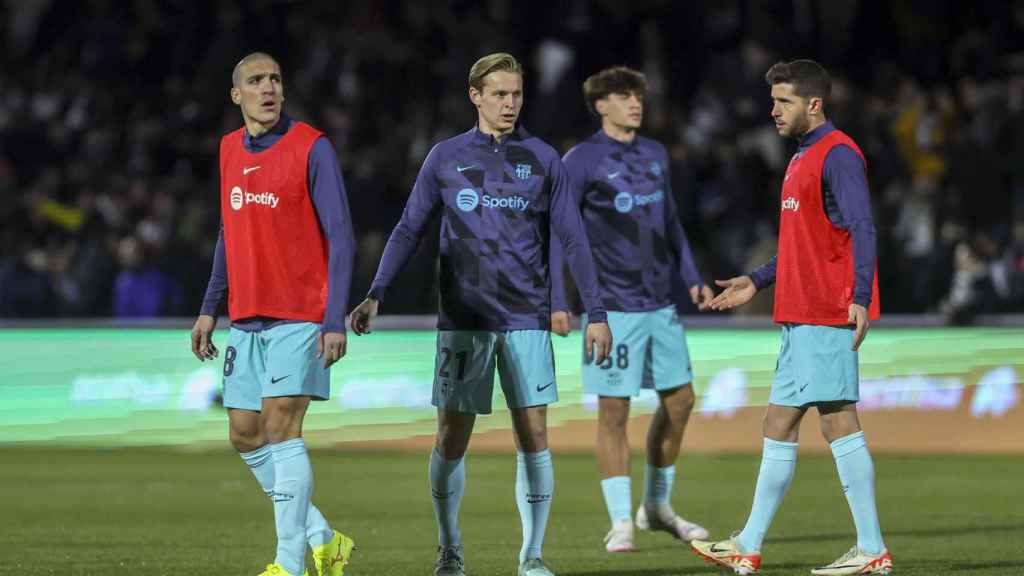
x,y
988,565
957,531
679,570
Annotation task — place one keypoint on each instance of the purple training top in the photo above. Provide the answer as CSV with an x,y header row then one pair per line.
x,y
500,202
631,219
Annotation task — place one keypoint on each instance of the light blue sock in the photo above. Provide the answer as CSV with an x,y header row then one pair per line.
x,y
535,485
658,484
261,462
857,475
447,485
293,488
618,498
778,462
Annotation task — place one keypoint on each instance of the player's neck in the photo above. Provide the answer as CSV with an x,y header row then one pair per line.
x,y
814,123
257,129
493,132
618,133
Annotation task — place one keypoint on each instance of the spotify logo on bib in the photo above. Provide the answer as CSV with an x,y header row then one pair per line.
x,y
236,198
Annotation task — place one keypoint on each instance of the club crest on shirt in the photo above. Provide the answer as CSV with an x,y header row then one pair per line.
x,y
656,168
523,171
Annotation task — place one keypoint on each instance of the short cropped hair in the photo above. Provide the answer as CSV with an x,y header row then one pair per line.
x,y
808,78
236,74
614,80
497,62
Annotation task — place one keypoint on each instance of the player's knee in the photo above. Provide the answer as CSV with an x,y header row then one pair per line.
x,y
827,429
280,428
682,403
246,441
779,430
613,422
282,433
534,438
613,413
452,441
451,446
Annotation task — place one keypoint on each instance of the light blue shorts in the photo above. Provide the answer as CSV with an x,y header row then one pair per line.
x,y
648,351
816,364
277,361
465,362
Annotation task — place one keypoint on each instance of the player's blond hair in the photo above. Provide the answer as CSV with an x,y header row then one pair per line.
x,y
497,62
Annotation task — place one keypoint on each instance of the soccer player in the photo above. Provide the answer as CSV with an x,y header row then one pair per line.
x,y
284,257
500,192
621,183
825,296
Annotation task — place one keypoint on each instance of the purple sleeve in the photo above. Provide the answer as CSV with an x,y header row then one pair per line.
x,y
568,227
764,275
419,209
327,188
847,178
576,175
677,238
217,287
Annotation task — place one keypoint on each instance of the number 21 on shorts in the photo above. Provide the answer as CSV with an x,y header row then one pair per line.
x,y
446,360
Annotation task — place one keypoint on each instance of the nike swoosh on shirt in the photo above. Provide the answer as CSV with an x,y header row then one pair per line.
x,y
276,380
613,175
249,169
464,168
545,387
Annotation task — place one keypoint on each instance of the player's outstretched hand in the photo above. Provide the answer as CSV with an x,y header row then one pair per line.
x,y
702,296
598,344
202,338
362,317
859,319
331,346
560,323
738,291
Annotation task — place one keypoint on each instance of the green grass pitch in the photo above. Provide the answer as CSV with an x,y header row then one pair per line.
x,y
149,512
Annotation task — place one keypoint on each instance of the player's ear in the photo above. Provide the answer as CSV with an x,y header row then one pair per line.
x,y
601,105
236,95
474,96
814,106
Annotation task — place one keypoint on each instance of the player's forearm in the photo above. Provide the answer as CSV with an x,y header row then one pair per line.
x,y
569,229
567,225
582,265
327,188
847,177
764,275
217,287
864,254
339,281
557,270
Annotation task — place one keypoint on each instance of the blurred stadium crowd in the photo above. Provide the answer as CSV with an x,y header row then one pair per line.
x,y
111,114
